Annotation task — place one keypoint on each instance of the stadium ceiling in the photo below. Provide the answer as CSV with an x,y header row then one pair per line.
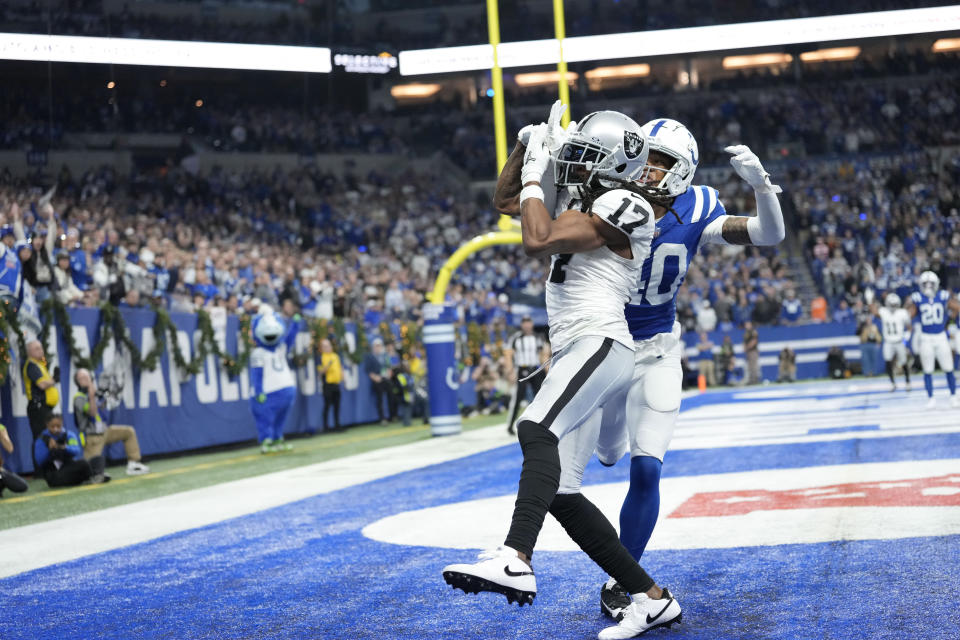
x,y
641,44
163,53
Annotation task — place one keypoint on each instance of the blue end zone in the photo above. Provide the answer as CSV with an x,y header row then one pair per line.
x,y
304,570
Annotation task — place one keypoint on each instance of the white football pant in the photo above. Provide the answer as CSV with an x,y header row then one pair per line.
x,y
641,421
587,374
934,347
895,349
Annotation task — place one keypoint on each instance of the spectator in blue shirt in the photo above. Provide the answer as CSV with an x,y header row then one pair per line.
x,y
78,260
791,309
203,286
58,455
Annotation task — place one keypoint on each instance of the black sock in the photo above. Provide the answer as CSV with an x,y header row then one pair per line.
x,y
591,530
890,371
539,480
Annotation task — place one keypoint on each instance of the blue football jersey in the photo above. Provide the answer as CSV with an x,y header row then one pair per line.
x,y
931,311
653,306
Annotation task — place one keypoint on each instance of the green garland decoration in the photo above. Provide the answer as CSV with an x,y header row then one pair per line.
x,y
10,324
113,327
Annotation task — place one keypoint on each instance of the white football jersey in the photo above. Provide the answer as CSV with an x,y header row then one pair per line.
x,y
276,371
894,323
586,292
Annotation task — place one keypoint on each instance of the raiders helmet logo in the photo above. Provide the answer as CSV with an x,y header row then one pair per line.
x,y
632,144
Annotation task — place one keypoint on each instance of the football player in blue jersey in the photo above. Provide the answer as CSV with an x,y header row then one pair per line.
x,y
930,308
653,402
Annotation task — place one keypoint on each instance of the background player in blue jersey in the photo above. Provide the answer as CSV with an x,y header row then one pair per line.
x,y
931,308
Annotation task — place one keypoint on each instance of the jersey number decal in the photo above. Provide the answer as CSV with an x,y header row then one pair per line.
x,y
651,288
628,227
931,314
557,274
278,361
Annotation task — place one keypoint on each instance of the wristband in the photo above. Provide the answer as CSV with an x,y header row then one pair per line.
x,y
531,191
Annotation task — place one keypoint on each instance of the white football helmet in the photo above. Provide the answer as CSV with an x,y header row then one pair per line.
x,y
606,144
671,138
892,300
929,283
268,329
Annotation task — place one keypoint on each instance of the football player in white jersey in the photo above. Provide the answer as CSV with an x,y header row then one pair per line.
x,y
895,327
654,400
598,244
931,308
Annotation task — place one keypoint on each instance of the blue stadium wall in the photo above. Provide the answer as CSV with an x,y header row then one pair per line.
x,y
171,415
810,342
211,409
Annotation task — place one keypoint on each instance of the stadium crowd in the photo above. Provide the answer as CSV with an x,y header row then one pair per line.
x,y
900,103
873,224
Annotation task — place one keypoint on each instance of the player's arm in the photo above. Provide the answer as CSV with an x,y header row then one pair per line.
x,y
506,197
764,229
572,231
910,307
953,306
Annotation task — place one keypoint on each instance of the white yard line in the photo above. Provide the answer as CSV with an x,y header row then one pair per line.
x,y
47,543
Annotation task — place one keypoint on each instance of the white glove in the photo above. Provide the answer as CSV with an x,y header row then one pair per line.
x,y
747,165
556,134
523,136
536,158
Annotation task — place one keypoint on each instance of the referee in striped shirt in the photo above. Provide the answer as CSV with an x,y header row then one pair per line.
x,y
527,351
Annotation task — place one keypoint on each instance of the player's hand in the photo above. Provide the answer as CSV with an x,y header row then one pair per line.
x,y
262,398
747,165
536,158
523,136
556,134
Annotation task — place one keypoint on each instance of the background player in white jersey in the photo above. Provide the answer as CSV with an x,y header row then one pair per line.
x,y
596,254
931,308
895,327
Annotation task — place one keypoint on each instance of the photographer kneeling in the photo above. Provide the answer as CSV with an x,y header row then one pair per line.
x,y
96,433
58,456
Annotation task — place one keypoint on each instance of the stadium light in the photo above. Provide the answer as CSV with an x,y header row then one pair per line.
x,y
836,54
543,77
402,91
758,60
623,71
946,44
163,53
726,37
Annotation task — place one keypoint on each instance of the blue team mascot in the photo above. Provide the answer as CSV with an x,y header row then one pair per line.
x,y
274,385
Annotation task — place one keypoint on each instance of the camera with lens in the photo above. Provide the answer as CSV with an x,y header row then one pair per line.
x,y
60,438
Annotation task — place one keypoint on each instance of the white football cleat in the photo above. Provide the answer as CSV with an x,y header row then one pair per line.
x,y
644,614
954,401
500,570
135,468
932,403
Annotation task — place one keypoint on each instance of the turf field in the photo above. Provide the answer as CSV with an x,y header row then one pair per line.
x,y
825,510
